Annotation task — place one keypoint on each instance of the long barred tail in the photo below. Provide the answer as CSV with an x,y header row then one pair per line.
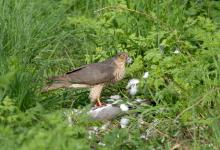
x,y
59,82
55,86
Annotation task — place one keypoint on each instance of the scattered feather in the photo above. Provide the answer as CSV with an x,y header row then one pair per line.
x,y
133,91
132,82
139,100
124,122
146,75
129,60
115,97
124,107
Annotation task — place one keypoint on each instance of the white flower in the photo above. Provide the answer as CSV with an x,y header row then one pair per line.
x,y
133,91
124,122
176,51
132,82
146,75
139,100
124,107
115,97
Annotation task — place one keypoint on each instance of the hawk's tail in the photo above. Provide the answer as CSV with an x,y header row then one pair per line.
x,y
54,86
59,82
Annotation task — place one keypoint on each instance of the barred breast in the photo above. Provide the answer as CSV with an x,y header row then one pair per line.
x,y
119,73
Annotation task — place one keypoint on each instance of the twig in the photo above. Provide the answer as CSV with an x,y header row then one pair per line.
x,y
154,18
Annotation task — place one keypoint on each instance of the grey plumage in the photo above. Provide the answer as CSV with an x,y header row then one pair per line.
x,y
93,76
90,74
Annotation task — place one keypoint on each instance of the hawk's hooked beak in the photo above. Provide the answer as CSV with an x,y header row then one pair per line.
x,y
129,60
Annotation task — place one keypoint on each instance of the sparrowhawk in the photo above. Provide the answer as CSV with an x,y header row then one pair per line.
x,y
93,76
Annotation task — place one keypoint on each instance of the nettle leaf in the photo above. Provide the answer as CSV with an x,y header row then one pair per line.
x,y
138,40
206,23
168,62
153,56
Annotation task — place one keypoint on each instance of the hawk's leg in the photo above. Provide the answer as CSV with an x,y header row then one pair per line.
x,y
99,103
95,93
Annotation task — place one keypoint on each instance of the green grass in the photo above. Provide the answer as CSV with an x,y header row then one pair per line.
x,y
39,39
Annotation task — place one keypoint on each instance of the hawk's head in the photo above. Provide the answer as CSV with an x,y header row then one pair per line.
x,y
122,57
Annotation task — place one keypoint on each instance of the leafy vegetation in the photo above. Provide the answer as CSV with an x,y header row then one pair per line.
x,y
176,42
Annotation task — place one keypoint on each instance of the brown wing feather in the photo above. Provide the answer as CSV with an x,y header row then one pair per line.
x,y
77,69
92,74
65,77
89,74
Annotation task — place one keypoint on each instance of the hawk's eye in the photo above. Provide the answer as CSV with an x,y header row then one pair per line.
x,y
122,56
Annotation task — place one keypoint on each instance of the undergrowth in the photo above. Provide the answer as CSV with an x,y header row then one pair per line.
x,y
176,42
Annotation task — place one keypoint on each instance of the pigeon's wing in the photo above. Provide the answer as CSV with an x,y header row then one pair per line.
x,y
92,74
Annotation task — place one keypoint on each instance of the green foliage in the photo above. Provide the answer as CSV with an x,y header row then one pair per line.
x,y
136,66
177,42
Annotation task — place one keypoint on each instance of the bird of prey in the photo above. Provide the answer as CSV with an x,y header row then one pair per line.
x,y
93,76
